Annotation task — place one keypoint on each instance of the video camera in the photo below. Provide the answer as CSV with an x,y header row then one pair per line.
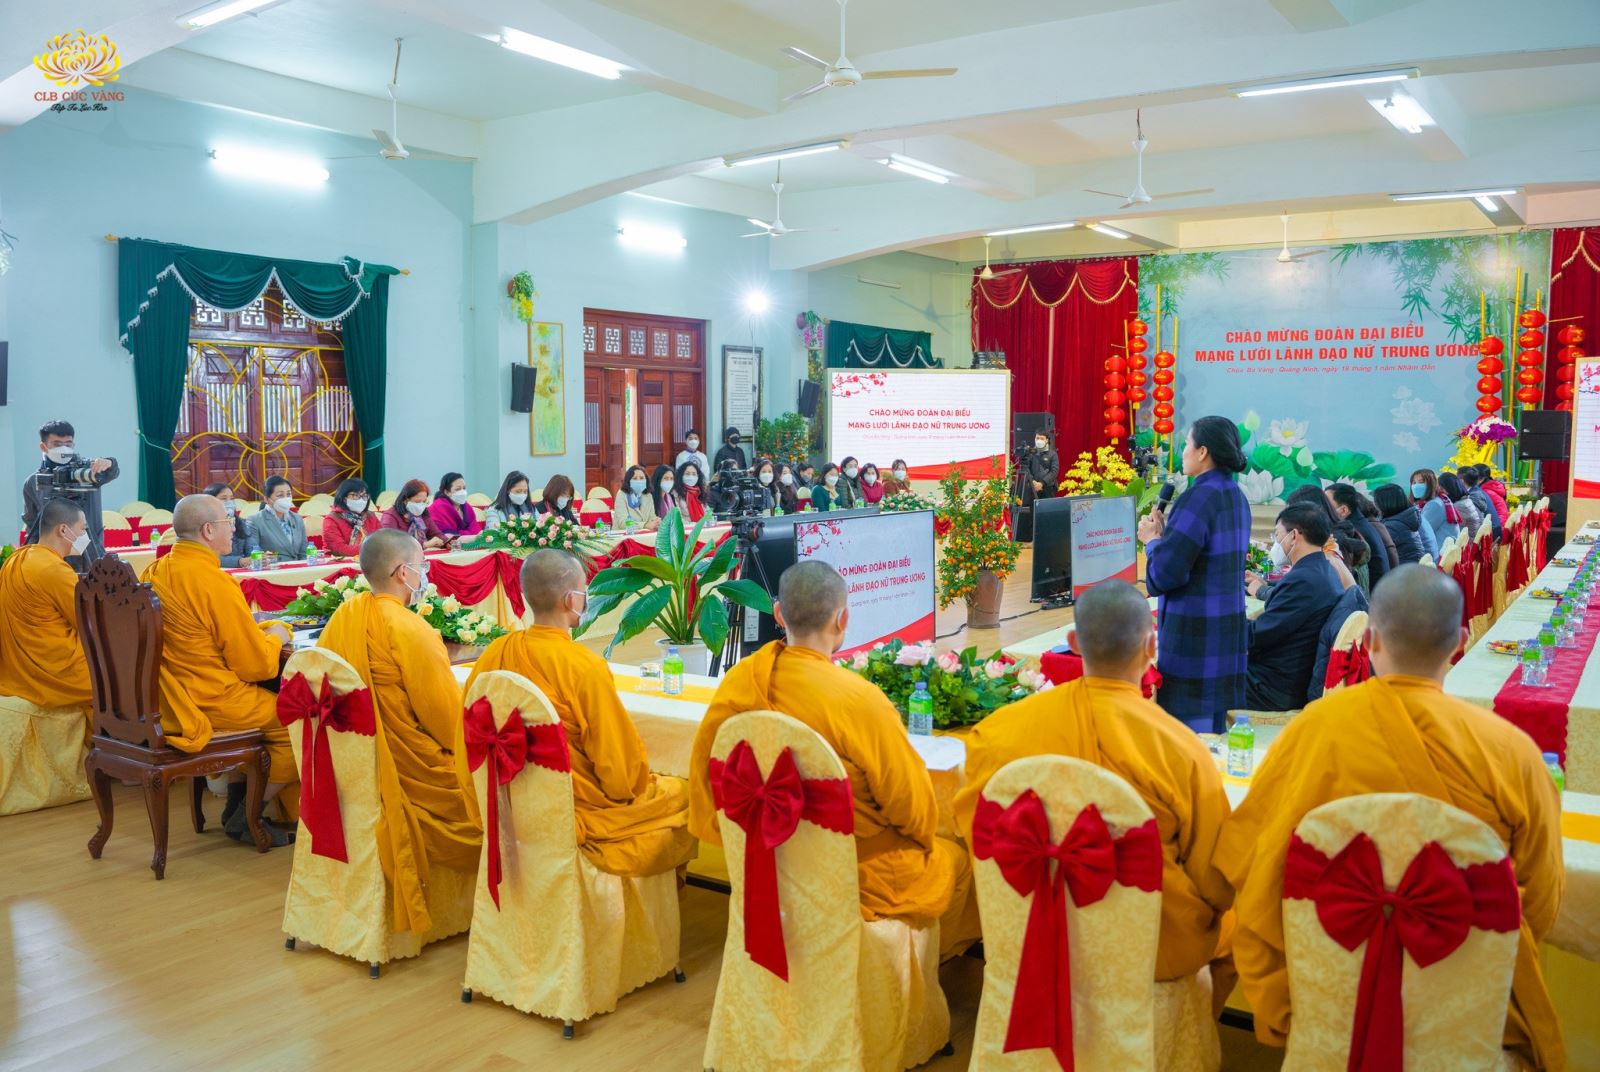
x,y
742,498
74,475
1144,460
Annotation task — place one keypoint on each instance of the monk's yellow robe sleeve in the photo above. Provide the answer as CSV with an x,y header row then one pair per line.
x,y
610,739
41,655
247,648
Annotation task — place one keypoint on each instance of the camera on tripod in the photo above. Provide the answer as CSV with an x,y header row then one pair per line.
x,y
741,495
72,477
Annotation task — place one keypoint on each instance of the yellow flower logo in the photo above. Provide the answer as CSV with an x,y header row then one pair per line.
x,y
79,59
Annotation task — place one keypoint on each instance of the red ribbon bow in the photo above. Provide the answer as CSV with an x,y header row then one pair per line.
x,y
1087,862
319,789
509,749
1350,667
1428,916
769,811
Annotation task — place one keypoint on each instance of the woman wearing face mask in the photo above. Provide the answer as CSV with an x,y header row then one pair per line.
x,y
825,495
805,476
899,478
1453,491
848,491
871,485
1438,512
351,518
557,499
244,541
410,514
691,452
767,476
1412,538
1348,505
634,507
277,528
730,451
1345,564
689,495
451,512
788,488
511,502
1044,467
663,479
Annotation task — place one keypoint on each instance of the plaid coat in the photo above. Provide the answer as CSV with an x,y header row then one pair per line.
x,y
1197,568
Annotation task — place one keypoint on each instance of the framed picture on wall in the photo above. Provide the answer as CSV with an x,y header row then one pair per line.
x,y
547,423
741,389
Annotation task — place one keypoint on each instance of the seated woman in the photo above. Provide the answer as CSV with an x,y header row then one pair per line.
x,y
244,541
788,495
557,499
899,478
1438,512
351,518
1457,494
848,492
825,495
451,513
511,502
663,480
410,514
689,497
872,489
634,508
1412,537
767,476
277,529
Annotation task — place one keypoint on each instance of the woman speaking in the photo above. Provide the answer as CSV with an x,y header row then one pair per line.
x,y
1195,562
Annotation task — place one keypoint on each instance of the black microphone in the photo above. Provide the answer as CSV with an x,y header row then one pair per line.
x,y
1165,498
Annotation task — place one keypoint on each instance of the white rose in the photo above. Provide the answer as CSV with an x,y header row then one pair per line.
x,y
468,636
424,608
320,585
450,604
349,595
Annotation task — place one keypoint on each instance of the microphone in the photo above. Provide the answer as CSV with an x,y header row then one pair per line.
x,y
1165,498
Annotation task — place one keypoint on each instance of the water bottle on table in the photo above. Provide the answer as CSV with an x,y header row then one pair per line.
x,y
919,710
1241,747
672,672
1552,761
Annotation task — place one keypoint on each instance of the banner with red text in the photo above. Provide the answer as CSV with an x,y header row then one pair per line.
x,y
886,561
936,420
1103,548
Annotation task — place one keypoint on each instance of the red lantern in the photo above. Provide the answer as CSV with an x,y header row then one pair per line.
x,y
1115,398
1163,394
1531,318
1115,432
1137,327
1138,361
1571,335
1112,413
1115,380
1138,344
1529,395
1564,392
1530,375
1164,410
1568,354
1490,366
1488,385
1165,376
1489,404
1530,358
1165,359
1138,379
1491,347
1164,427
1531,339
1564,373
1116,364
1136,395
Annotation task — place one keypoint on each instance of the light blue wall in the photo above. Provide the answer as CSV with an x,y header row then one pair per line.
x,y
141,170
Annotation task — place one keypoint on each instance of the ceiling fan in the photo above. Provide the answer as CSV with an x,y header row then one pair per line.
x,y
777,228
988,272
1284,256
842,72
1141,196
390,147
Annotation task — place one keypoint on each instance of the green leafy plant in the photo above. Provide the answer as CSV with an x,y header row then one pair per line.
x,y
322,597
521,291
965,687
6,552
679,590
784,439
976,536
455,623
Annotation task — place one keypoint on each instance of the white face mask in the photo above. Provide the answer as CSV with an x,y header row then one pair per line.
x,y
80,542
517,497
1041,444
899,474
831,479
415,508
870,479
694,444
228,505
691,479
561,502
667,485
458,497
59,455
1279,556
283,504
766,478
356,506
851,472
787,478
421,589
636,485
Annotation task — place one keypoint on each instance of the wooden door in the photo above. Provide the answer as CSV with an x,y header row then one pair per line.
x,y
663,360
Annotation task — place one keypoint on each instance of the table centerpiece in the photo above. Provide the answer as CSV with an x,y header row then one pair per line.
x,y
965,687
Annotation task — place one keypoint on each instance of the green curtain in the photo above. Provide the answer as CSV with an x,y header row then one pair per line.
x,y
866,346
156,285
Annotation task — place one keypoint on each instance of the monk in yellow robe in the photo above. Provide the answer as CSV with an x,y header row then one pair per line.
x,y
429,811
630,821
41,657
904,870
1399,733
213,652
1104,719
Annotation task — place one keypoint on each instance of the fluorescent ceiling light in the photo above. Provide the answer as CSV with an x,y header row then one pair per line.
x,y
269,166
654,239
212,14
784,154
1487,203
552,52
1361,78
1402,109
1454,195
1032,230
1109,232
917,168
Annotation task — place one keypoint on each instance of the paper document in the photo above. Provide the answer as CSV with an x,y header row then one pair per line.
x,y
940,753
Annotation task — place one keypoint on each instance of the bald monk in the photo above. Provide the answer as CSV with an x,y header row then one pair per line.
x,y
41,658
1399,733
213,652
904,871
429,811
630,822
1104,718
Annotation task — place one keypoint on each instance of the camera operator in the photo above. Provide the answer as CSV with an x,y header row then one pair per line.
x,y
737,493
65,474
1043,467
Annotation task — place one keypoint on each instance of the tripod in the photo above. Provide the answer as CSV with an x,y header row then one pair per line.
x,y
1022,497
745,534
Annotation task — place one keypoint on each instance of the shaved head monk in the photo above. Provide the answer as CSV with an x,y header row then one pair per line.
x,y
1399,733
903,869
424,788
630,822
213,652
41,658
1104,719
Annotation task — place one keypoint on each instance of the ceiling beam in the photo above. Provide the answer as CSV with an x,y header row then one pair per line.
x,y
1310,16
976,168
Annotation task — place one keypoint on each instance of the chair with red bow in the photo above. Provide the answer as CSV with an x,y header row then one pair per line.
x,y
805,983
1400,921
552,935
339,896
1348,660
1068,873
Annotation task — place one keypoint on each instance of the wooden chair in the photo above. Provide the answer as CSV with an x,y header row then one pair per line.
x,y
479,500
386,499
119,620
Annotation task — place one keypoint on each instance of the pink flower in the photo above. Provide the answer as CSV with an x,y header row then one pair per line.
x,y
996,669
949,662
913,655
1031,680
858,661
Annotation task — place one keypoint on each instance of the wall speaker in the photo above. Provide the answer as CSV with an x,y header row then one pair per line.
x,y
523,379
1546,434
810,398
5,349
1024,426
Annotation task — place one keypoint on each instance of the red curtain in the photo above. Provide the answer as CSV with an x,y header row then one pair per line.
x,y
1574,291
1057,322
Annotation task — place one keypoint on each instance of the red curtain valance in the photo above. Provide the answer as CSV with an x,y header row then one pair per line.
x,y
1051,282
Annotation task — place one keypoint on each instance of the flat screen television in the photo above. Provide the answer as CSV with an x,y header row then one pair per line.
x,y
1052,552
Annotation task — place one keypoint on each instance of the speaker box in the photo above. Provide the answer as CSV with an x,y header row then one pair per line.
x,y
1546,434
523,379
5,349
1025,425
810,398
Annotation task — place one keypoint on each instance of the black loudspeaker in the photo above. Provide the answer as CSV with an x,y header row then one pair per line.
x,y
5,349
523,379
810,398
1025,425
1546,434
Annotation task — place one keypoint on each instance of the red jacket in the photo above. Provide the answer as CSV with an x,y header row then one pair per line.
x,y
1497,495
339,536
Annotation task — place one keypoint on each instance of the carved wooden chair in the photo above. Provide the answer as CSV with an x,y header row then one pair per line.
x,y
119,620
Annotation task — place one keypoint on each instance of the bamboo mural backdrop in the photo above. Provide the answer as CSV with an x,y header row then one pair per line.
x,y
265,395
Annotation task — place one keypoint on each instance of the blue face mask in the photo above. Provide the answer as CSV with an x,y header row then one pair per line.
x,y
1418,490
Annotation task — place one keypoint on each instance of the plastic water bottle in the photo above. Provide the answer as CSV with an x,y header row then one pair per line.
x,y
1553,762
1241,747
920,711
672,672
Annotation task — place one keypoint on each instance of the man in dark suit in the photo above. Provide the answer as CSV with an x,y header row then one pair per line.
x,y
1283,641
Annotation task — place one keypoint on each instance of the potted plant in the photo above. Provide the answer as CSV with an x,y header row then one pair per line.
x,y
978,550
784,439
680,590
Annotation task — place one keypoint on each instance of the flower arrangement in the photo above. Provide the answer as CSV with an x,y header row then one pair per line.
x,y
522,536
1488,430
455,623
978,539
1258,558
520,289
1091,474
324,596
904,502
809,325
965,688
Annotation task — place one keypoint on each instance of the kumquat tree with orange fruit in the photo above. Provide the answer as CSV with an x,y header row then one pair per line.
x,y
975,533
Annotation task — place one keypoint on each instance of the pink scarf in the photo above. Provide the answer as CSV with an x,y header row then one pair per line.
x,y
1451,514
